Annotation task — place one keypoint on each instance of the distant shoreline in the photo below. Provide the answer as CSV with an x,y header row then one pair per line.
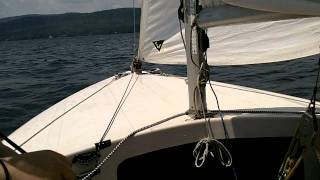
x,y
116,21
66,37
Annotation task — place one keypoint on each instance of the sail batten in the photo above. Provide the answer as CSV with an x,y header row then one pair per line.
x,y
238,35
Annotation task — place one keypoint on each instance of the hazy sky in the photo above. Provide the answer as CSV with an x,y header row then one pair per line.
x,y
22,7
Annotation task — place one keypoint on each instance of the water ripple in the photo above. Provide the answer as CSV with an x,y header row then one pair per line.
x,y
35,74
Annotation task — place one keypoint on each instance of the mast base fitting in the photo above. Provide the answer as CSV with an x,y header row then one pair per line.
x,y
136,66
198,114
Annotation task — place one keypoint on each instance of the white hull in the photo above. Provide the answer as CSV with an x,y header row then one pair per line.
x,y
75,124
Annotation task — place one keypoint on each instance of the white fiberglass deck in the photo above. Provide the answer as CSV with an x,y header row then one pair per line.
x,y
77,122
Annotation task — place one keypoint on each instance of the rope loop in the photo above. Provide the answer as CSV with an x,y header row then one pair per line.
x,y
213,147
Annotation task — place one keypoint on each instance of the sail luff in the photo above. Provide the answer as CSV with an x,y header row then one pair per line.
x,y
158,26
143,24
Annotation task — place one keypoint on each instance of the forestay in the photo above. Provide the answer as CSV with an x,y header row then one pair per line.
x,y
290,36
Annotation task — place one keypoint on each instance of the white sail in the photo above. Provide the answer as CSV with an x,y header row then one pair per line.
x,y
159,22
297,7
231,15
233,44
264,42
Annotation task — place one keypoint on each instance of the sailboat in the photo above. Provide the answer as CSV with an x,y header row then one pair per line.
x,y
145,124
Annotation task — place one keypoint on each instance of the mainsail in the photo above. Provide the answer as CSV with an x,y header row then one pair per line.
x,y
256,31
298,7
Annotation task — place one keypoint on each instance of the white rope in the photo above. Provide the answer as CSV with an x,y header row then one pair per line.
x,y
213,147
207,121
209,145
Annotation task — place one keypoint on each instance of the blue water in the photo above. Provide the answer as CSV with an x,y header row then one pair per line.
x,y
35,74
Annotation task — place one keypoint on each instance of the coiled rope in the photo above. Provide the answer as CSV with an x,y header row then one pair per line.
x,y
220,150
205,146
210,145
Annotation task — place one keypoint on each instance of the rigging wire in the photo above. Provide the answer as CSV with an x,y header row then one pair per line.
x,y
219,110
66,112
207,121
224,129
312,104
122,100
314,94
126,138
289,164
223,123
134,27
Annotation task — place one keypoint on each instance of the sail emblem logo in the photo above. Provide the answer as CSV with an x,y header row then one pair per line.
x,y
158,44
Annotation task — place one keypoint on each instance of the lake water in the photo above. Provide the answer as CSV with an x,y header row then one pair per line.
x,y
35,74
